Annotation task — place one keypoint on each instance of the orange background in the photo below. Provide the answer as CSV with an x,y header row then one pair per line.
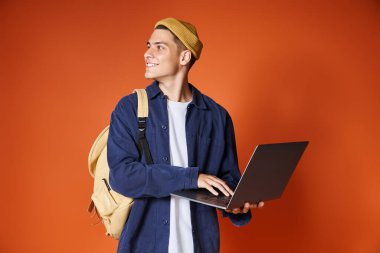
x,y
285,70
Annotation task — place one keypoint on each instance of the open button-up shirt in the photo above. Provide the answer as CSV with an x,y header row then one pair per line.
x,y
211,150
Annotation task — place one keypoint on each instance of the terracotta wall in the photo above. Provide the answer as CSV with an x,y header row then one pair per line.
x,y
285,70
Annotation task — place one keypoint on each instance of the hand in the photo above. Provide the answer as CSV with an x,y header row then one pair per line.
x,y
209,182
245,208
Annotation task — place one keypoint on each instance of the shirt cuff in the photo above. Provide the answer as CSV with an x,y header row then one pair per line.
x,y
191,179
240,219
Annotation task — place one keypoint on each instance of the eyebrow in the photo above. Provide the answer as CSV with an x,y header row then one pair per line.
x,y
157,43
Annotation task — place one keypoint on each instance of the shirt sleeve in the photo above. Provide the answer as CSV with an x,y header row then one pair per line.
x,y
128,175
230,171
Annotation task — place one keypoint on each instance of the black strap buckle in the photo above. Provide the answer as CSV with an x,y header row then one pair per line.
x,y
141,123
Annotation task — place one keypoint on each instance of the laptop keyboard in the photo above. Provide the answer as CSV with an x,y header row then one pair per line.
x,y
220,199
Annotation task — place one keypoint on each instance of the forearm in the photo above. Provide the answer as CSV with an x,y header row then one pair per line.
x,y
138,180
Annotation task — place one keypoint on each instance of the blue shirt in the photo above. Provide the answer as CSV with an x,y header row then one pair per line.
x,y
211,150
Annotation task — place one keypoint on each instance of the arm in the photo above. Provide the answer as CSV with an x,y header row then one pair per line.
x,y
231,175
128,175
229,171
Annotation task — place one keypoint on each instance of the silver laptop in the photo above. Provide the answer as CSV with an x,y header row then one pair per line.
x,y
265,177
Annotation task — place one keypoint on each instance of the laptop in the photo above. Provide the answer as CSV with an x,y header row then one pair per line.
x,y
264,178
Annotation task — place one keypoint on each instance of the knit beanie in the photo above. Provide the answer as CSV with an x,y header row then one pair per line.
x,y
185,32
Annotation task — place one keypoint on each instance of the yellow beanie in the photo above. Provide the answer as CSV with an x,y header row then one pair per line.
x,y
185,32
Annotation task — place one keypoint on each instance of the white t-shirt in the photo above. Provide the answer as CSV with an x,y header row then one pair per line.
x,y
181,237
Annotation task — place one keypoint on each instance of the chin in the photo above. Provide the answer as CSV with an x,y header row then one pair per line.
x,y
151,76
148,76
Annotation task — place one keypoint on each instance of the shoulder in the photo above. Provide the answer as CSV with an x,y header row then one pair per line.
x,y
206,102
215,108
127,101
130,101
213,105
125,110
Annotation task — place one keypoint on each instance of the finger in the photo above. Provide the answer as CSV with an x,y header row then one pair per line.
x,y
218,186
246,207
217,183
212,190
257,205
230,191
226,189
222,183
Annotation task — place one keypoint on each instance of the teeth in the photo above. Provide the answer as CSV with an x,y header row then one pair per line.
x,y
151,64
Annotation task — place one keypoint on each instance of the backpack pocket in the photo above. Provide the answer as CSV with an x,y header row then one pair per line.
x,y
119,217
104,201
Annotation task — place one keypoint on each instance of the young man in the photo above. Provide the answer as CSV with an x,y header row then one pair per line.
x,y
192,143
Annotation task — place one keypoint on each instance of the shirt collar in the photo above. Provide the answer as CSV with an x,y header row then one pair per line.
x,y
153,91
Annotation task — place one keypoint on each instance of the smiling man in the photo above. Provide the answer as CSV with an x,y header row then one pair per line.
x,y
192,142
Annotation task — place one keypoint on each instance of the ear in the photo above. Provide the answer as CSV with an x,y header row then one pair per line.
x,y
185,57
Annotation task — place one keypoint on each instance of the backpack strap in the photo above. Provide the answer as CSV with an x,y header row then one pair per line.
x,y
142,116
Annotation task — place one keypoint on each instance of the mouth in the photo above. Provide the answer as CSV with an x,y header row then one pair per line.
x,y
150,65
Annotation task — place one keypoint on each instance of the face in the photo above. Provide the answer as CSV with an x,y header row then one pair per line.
x,y
162,58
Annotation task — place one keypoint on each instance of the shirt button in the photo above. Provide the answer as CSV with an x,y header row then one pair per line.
x,y
164,127
165,158
165,221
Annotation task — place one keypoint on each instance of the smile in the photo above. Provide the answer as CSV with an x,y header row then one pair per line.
x,y
151,64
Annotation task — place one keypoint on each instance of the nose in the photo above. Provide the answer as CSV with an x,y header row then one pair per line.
x,y
148,53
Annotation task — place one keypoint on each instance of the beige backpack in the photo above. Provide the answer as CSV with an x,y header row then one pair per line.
x,y
110,207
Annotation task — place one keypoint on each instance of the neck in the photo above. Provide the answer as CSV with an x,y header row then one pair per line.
x,y
176,90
